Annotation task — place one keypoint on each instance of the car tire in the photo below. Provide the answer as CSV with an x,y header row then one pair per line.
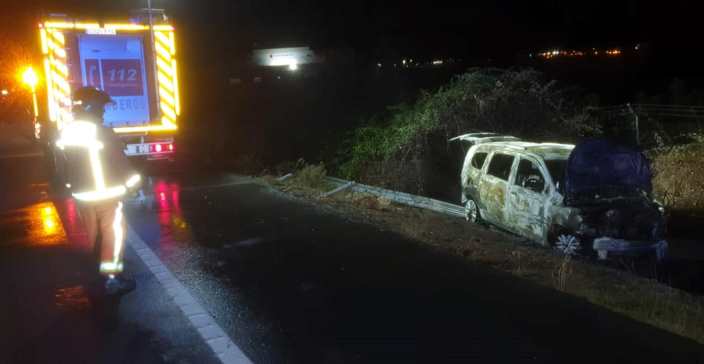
x,y
567,243
471,211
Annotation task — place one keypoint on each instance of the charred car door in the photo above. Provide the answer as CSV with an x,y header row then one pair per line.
x,y
528,196
493,188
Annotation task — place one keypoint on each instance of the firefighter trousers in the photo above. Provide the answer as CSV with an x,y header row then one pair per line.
x,y
105,225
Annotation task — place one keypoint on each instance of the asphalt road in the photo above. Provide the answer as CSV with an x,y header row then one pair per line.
x,y
50,308
291,283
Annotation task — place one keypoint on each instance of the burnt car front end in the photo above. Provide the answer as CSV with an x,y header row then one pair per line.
x,y
608,191
624,225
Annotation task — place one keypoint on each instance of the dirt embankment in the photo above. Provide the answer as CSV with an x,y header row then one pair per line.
x,y
619,290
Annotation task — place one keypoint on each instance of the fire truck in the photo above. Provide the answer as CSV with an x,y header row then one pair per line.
x,y
133,61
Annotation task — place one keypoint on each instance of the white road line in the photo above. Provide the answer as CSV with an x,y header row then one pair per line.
x,y
221,344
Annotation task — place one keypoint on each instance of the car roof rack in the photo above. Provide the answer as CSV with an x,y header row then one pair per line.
x,y
479,138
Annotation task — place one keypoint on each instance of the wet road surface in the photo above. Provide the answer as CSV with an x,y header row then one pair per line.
x,y
293,284
50,311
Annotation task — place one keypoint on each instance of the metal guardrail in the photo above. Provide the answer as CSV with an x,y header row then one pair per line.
x,y
398,197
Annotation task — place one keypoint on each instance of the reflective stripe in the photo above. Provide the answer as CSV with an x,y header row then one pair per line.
x,y
106,194
83,134
133,181
111,267
119,235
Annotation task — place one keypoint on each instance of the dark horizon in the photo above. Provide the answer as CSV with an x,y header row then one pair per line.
x,y
493,29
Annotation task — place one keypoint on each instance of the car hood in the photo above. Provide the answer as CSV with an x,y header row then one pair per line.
x,y
600,168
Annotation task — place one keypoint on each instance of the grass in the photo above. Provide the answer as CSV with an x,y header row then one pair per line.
x,y
679,177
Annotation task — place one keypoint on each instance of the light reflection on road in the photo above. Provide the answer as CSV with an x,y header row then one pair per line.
x,y
44,226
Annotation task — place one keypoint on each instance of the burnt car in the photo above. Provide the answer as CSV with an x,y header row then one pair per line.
x,y
596,196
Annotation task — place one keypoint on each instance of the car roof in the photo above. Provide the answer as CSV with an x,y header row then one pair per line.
x,y
543,150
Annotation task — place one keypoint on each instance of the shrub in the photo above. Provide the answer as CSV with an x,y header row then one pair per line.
x,y
312,176
406,147
678,177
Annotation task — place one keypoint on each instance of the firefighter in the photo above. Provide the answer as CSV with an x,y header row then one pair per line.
x,y
98,176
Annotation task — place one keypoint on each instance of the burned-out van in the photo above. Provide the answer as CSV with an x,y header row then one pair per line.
x,y
596,195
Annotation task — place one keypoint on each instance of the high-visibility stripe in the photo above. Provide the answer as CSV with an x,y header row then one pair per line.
x,y
167,96
83,134
126,26
87,26
61,83
45,44
172,43
60,67
106,194
58,88
111,267
49,88
168,110
132,181
59,25
165,81
177,96
166,125
161,37
119,235
57,50
161,51
164,66
59,38
169,123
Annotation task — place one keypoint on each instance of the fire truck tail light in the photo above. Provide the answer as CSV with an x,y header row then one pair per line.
x,y
161,148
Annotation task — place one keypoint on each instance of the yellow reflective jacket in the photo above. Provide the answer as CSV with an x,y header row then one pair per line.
x,y
96,167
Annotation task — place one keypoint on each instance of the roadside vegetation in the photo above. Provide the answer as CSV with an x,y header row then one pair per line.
x,y
679,176
406,148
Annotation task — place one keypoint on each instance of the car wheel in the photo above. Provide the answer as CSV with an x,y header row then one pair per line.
x,y
471,211
568,244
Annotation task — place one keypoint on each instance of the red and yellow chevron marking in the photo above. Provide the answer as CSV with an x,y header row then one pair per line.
x,y
167,75
56,70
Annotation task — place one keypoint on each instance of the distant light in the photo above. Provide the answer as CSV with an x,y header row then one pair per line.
x,y
438,62
378,65
5,92
555,52
404,62
637,47
293,66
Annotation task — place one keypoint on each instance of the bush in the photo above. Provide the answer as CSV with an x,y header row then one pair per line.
x,y
312,176
406,148
678,177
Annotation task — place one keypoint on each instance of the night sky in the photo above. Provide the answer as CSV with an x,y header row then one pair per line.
x,y
498,28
